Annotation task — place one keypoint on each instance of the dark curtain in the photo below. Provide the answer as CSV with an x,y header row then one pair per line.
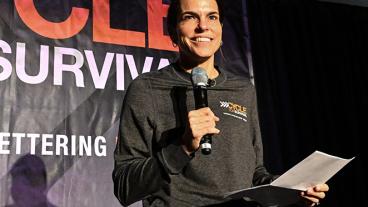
x,y
311,73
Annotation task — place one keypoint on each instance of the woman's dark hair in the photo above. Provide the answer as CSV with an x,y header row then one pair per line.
x,y
174,11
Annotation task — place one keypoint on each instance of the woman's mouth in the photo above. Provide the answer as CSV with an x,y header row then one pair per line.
x,y
201,39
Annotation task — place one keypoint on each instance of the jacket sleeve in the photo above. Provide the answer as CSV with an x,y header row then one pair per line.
x,y
261,176
140,168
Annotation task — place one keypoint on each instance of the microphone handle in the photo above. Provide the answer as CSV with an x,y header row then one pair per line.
x,y
206,144
200,98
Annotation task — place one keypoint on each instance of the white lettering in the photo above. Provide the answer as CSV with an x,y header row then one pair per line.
x,y
20,65
99,79
73,145
120,78
100,149
68,61
33,142
59,66
46,143
18,142
147,64
61,141
163,63
132,67
85,146
4,143
4,63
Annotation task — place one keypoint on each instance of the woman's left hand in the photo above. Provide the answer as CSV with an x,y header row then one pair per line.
x,y
313,195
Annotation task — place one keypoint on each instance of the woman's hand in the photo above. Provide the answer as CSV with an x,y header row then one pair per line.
x,y
200,122
313,195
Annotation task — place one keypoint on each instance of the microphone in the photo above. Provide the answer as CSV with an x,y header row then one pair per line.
x,y
199,80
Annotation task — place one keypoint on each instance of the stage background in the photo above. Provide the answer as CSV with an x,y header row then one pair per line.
x,y
63,79
311,72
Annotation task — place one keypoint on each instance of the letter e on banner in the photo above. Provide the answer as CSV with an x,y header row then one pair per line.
x,y
156,11
103,33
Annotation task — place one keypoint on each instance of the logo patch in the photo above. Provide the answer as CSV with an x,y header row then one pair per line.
x,y
234,110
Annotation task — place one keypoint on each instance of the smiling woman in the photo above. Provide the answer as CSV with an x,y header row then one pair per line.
x,y
197,30
157,158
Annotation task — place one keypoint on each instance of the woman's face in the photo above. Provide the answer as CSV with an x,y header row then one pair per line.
x,y
199,29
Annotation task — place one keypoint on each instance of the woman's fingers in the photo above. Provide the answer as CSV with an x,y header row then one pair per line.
x,y
200,122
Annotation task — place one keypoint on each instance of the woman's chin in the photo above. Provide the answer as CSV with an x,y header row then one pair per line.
x,y
203,54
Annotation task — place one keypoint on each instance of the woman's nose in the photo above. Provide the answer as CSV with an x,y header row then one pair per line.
x,y
203,24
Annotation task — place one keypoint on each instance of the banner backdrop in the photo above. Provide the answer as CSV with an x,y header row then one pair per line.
x,y
64,67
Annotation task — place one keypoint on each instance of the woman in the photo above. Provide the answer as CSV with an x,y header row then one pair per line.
x,y
156,158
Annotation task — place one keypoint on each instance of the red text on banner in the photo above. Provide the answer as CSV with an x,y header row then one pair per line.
x,y
102,31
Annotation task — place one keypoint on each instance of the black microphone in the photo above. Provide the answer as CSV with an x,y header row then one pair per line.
x,y
199,80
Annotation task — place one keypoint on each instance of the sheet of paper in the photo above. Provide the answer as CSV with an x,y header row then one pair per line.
x,y
317,168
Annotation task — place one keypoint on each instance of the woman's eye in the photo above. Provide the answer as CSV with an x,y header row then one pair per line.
x,y
213,17
188,17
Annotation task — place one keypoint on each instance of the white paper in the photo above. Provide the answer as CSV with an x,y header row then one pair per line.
x,y
317,168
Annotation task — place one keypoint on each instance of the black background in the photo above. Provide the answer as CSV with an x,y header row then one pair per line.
x,y
311,74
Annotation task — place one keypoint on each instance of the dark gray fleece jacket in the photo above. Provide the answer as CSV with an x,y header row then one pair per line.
x,y
150,164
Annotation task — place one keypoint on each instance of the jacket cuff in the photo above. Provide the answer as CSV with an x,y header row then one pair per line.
x,y
174,158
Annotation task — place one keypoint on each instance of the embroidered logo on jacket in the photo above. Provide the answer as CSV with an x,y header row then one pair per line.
x,y
234,110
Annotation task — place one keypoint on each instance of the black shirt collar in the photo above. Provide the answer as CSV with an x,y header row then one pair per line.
x,y
187,76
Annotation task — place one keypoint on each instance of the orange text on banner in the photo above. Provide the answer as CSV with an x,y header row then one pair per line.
x,y
68,28
156,11
102,32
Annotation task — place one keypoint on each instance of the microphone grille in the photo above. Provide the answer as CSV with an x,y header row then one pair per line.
x,y
199,77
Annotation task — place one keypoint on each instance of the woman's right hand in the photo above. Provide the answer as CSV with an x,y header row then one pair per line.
x,y
200,122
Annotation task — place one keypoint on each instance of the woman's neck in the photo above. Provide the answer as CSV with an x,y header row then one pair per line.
x,y
207,65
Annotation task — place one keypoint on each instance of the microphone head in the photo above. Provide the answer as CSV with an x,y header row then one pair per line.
x,y
199,77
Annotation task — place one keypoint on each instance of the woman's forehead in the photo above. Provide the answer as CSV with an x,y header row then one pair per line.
x,y
198,6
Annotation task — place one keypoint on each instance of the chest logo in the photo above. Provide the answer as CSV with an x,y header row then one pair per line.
x,y
234,110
